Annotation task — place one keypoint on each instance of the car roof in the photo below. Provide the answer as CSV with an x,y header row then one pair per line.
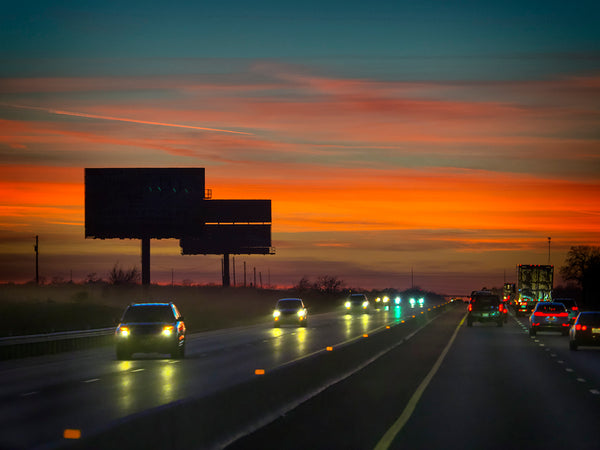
x,y
152,304
289,299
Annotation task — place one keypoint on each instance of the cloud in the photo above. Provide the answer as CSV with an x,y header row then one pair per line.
x,y
121,119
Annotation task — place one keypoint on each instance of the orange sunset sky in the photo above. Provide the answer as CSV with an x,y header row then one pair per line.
x,y
384,146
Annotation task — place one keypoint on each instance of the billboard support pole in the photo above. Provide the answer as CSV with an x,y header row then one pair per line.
x,y
226,281
145,261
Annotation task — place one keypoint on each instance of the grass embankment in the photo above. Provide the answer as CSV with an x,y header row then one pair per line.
x,y
27,309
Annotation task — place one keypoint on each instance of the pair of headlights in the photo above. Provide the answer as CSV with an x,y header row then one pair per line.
x,y
167,331
348,305
300,313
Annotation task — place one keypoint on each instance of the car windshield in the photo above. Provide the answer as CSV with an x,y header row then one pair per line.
x,y
289,304
357,298
149,313
552,308
589,318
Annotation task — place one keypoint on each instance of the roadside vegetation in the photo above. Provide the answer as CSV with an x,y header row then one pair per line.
x,y
96,303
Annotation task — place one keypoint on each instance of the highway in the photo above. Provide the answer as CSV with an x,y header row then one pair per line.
x,y
428,382
90,390
496,388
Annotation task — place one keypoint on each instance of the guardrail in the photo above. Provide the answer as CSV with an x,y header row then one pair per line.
x,y
47,343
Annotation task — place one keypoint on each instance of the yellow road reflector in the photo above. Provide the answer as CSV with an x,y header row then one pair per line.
x,y
259,372
365,335
387,326
72,434
329,349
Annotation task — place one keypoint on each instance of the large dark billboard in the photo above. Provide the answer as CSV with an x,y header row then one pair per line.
x,y
137,203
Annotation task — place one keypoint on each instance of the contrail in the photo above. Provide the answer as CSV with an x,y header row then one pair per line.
x,y
122,119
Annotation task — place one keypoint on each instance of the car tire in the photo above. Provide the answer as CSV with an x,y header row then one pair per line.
x,y
573,345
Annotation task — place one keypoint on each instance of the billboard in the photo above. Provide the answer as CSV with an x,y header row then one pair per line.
x,y
236,211
235,239
138,203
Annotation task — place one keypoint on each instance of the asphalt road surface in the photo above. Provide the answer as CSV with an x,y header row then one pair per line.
x,y
495,388
385,380
90,390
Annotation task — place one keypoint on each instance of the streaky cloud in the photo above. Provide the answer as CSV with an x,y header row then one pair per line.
x,y
123,119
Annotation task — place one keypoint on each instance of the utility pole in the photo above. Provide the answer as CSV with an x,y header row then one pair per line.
x,y
36,248
549,239
233,264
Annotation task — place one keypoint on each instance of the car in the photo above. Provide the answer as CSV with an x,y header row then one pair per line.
x,y
150,328
586,330
357,303
549,316
290,310
382,303
504,309
571,306
485,307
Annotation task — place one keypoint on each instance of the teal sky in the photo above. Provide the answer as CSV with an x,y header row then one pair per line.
x,y
449,136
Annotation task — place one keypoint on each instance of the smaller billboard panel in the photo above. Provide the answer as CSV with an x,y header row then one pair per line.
x,y
232,239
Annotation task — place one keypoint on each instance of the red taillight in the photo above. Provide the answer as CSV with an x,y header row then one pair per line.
x,y
470,307
575,308
539,314
580,327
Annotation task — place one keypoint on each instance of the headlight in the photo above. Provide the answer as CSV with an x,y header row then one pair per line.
x,y
123,331
301,313
168,330
386,299
365,304
348,305
377,300
397,300
276,313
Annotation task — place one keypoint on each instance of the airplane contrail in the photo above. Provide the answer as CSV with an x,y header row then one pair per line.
x,y
123,119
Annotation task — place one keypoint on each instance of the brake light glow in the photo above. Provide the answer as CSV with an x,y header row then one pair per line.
x,y
542,314
470,307
580,327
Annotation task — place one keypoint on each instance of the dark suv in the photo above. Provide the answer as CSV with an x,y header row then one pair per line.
x,y
485,307
150,328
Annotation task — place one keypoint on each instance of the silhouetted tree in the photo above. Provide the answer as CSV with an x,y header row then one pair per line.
x,y
303,285
92,278
328,284
583,266
118,276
